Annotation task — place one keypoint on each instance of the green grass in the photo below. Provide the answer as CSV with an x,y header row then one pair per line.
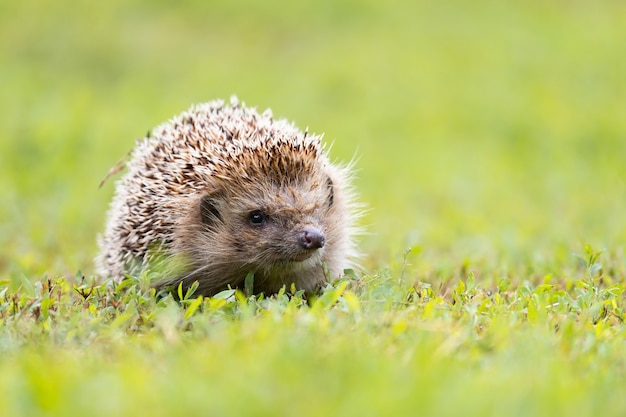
x,y
490,141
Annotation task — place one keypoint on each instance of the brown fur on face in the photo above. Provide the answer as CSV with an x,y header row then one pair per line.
x,y
226,192
223,245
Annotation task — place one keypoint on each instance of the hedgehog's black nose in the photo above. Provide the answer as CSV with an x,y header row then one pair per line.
x,y
312,238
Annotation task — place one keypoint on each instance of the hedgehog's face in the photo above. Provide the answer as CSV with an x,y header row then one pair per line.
x,y
276,227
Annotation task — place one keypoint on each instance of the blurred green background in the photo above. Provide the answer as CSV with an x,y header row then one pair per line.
x,y
483,130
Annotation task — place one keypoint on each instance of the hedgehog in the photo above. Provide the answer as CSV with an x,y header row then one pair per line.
x,y
222,193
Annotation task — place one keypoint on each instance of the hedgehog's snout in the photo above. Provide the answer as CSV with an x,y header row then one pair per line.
x,y
312,238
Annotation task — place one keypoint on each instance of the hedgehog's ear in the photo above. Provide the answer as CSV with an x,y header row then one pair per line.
x,y
209,212
331,192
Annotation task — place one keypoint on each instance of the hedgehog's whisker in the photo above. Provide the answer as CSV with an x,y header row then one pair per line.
x,y
195,271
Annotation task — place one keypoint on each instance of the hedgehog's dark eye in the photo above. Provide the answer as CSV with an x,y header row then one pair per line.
x,y
257,218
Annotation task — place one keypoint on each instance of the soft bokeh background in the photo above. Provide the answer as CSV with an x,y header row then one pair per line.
x,y
484,130
490,138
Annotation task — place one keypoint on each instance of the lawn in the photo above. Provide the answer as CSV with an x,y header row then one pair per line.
x,y
490,141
